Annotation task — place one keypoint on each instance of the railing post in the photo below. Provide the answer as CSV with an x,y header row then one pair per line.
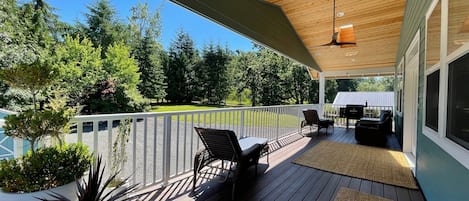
x,y
299,118
134,150
242,124
17,147
166,149
278,123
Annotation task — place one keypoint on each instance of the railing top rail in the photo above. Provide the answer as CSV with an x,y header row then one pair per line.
x,y
7,111
340,105
152,114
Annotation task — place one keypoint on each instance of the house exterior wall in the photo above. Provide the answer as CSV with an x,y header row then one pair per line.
x,y
441,177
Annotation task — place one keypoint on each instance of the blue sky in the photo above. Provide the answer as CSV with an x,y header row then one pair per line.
x,y
173,17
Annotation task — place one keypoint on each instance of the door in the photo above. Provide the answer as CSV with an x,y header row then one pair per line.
x,y
411,77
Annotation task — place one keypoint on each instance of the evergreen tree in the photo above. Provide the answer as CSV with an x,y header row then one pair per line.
x,y
26,32
103,28
26,38
148,55
215,81
182,58
297,83
146,28
271,66
330,91
246,74
313,92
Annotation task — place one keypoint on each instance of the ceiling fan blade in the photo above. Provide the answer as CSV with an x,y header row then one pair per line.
x,y
346,32
346,43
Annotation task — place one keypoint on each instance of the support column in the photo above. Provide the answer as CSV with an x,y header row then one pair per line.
x,y
322,92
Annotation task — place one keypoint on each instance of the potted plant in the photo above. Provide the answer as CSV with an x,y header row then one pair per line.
x,y
95,188
43,168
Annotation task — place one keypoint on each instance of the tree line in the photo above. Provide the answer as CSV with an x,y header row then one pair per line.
x,y
107,65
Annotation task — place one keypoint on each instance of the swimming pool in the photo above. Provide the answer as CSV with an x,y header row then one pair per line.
x,y
7,144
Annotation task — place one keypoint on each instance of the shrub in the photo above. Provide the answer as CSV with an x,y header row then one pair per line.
x,y
46,168
33,126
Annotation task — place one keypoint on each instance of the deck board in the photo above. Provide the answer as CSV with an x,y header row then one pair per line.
x,y
280,179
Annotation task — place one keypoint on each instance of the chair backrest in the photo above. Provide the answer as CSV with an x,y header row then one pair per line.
x,y
385,115
311,116
221,144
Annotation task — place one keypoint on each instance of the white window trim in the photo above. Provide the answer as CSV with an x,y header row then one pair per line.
x,y
425,128
439,138
400,72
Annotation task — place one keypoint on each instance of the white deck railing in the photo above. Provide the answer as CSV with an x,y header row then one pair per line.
x,y
332,111
162,145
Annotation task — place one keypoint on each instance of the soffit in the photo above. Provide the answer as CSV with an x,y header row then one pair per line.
x,y
377,25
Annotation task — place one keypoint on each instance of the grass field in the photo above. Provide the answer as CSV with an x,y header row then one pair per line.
x,y
173,108
251,117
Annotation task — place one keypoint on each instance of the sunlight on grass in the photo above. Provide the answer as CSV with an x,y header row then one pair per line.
x,y
237,103
173,108
251,117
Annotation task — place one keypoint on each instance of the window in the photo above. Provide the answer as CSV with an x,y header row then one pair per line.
x,y
457,128
446,109
432,98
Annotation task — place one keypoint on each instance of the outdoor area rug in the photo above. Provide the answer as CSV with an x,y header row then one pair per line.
x,y
347,194
371,163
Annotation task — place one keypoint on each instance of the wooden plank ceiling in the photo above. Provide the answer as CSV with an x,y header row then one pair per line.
x,y
376,23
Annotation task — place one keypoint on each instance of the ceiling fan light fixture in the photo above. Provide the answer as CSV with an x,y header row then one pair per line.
x,y
337,36
345,26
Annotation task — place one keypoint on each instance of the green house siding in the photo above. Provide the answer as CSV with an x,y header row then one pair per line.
x,y
398,128
414,20
440,176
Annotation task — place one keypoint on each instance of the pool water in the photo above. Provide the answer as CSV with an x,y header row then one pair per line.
x,y
7,145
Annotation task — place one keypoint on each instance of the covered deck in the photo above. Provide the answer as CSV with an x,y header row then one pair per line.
x,y
283,180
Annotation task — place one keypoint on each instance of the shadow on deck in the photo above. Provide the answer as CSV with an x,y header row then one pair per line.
x,y
283,180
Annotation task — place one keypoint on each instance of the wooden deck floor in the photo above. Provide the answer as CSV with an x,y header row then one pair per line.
x,y
283,180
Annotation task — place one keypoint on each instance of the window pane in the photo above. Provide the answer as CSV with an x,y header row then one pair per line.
x,y
458,24
457,128
431,106
433,37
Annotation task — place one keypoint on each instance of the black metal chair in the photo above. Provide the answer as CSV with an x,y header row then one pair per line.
x,y
223,145
373,131
312,118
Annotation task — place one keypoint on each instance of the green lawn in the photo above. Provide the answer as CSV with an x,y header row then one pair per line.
x,y
251,118
173,108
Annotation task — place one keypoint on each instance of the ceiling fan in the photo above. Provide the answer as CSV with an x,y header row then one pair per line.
x,y
335,34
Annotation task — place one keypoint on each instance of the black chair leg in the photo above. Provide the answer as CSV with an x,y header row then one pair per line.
x,y
194,180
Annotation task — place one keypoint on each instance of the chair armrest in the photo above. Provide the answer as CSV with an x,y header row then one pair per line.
x,y
246,143
303,123
374,125
251,151
369,120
